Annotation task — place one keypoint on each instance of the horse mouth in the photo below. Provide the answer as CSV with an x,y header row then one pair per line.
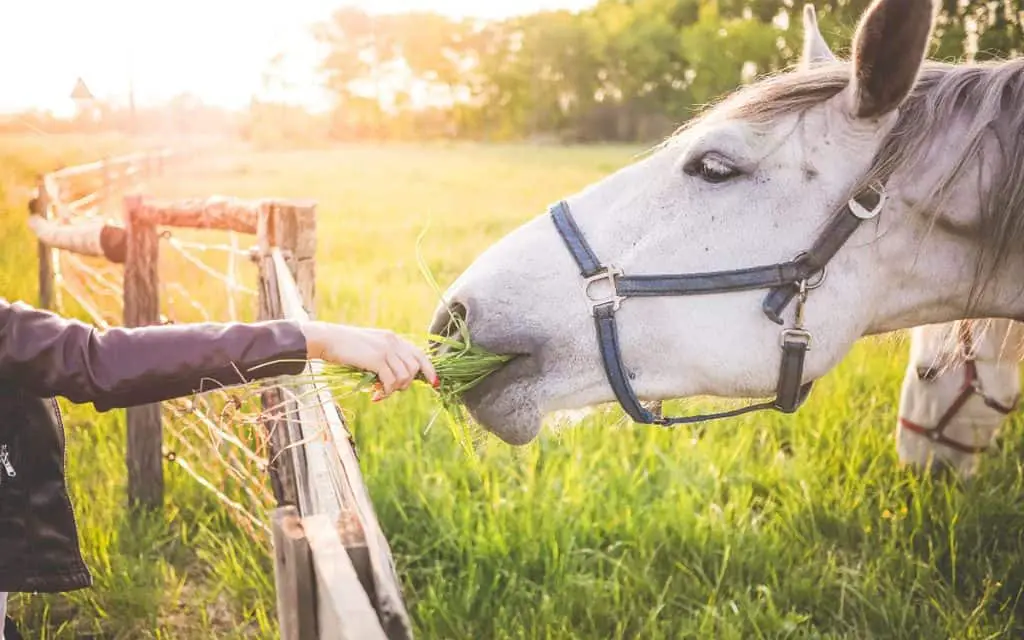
x,y
449,334
505,403
449,321
502,401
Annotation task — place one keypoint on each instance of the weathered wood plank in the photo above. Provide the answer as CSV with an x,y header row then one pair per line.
x,y
316,485
344,610
217,212
304,255
335,478
293,576
296,236
266,230
94,167
87,238
353,538
84,202
141,308
284,460
387,590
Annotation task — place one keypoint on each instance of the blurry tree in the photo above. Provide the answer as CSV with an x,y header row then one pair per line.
x,y
619,70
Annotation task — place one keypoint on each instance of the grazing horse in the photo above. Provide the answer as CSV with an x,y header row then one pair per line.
x,y
746,254
961,382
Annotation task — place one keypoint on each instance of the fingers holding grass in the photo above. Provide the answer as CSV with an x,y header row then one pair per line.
x,y
452,366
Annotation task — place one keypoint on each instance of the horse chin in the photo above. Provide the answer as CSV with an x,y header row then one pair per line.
x,y
916,452
506,403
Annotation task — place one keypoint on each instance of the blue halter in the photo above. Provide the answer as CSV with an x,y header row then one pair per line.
x,y
786,281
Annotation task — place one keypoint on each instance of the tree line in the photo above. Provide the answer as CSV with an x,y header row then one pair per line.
x,y
622,70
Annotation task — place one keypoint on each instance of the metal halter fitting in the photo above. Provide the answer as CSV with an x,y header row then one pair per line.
x,y
971,386
786,281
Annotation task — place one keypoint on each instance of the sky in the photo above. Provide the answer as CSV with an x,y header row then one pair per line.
x,y
215,49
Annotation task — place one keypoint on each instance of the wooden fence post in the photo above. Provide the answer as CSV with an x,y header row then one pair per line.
x,y
304,253
276,414
344,610
141,308
296,236
42,208
293,576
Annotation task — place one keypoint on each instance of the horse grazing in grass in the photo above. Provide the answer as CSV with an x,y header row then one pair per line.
x,y
746,254
961,383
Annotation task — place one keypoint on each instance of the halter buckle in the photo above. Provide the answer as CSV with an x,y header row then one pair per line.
x,y
608,273
795,336
863,212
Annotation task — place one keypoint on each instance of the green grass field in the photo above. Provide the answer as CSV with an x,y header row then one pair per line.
x,y
769,526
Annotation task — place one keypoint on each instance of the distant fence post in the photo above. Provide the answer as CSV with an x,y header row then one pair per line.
x,y
107,201
141,308
41,207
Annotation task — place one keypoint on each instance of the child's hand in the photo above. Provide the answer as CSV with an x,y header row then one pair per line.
x,y
395,361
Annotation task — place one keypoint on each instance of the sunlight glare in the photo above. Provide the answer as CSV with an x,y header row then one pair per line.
x,y
215,50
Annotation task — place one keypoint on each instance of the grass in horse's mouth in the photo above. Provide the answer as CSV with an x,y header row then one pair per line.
x,y
460,365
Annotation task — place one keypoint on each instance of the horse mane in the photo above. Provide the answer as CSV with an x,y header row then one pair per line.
x,y
1010,334
986,97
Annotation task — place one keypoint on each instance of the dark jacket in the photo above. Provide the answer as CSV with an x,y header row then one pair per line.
x,y
42,356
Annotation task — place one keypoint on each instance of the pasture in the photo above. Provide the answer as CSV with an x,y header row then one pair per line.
x,y
767,526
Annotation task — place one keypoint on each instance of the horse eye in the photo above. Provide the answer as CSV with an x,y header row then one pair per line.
x,y
712,168
927,374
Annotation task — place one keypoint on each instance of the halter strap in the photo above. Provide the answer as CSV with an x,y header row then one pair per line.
x,y
790,374
686,284
787,281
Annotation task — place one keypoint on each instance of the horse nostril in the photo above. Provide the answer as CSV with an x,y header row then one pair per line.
x,y
927,374
448,319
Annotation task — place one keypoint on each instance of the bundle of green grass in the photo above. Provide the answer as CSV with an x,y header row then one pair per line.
x,y
460,366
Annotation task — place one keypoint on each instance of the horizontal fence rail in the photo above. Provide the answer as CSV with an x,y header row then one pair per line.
x,y
87,224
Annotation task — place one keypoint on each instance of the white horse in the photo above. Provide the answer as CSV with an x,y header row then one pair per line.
x,y
961,383
963,378
838,200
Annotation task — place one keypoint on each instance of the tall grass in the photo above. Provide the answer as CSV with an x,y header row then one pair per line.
x,y
768,526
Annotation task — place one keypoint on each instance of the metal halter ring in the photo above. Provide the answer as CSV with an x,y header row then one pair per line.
x,y
812,283
863,213
607,274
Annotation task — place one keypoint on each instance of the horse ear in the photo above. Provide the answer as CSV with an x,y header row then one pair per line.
x,y
888,51
815,48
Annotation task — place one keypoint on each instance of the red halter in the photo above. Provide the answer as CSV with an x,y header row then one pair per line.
x,y
971,386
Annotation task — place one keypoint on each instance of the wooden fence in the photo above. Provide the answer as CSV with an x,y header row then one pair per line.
x,y
93,233
334,573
